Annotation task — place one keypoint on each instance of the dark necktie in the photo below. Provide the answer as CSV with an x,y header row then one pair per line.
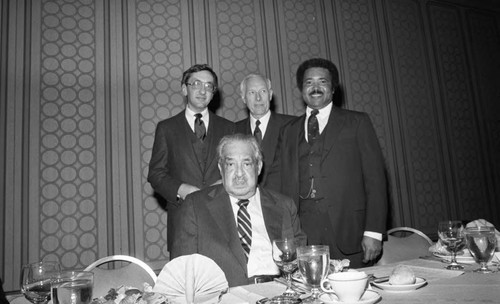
x,y
257,132
244,226
312,127
199,127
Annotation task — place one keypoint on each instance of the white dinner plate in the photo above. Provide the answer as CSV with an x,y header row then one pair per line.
x,y
389,287
369,297
464,258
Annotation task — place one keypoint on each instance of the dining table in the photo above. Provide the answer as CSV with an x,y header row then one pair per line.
x,y
442,285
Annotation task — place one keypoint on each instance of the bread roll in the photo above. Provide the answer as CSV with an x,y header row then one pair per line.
x,y
402,275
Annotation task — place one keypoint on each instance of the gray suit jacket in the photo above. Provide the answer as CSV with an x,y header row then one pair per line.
x,y
206,225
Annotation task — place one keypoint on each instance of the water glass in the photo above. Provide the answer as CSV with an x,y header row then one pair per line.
x,y
73,287
314,262
36,279
481,242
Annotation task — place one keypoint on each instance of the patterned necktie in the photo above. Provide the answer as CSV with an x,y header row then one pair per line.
x,y
244,226
199,127
257,133
312,127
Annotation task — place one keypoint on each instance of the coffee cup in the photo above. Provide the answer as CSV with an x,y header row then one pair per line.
x,y
348,286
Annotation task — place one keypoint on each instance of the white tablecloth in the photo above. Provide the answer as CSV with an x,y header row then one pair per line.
x,y
455,287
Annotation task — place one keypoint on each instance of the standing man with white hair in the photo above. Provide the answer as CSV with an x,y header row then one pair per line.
x,y
256,92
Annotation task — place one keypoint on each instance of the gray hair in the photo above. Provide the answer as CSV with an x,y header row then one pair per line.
x,y
242,138
243,84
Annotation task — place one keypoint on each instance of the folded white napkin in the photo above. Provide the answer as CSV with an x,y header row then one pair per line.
x,y
192,279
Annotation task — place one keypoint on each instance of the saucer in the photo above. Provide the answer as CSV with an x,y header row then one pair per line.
x,y
369,297
465,258
389,287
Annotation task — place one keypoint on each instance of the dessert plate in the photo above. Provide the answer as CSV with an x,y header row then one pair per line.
x,y
369,297
389,287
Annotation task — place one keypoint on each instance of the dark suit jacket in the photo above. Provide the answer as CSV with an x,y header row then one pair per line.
x,y
207,226
173,159
354,175
270,140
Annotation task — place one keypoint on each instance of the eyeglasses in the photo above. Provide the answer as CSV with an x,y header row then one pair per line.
x,y
197,85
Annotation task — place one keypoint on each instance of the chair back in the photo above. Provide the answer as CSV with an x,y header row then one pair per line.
x,y
412,245
135,273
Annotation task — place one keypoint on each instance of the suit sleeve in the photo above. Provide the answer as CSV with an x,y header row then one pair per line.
x,y
159,173
186,233
298,233
373,176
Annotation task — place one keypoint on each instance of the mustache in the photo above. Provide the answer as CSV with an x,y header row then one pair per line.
x,y
315,91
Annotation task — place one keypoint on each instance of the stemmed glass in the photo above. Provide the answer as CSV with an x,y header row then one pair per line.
x,y
451,234
36,279
481,242
314,263
285,257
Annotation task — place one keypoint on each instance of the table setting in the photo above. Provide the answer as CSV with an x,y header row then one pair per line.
x,y
461,267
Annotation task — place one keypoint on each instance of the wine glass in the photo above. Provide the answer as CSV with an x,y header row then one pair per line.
x,y
481,242
36,279
285,257
73,287
451,234
314,263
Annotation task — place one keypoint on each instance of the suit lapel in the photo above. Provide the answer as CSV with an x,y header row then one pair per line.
x,y
270,142
332,131
272,215
221,211
213,132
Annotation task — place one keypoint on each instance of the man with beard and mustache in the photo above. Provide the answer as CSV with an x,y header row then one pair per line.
x,y
256,92
209,220
183,159
330,162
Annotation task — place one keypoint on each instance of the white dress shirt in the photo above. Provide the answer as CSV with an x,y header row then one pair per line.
x,y
191,118
323,116
264,121
260,259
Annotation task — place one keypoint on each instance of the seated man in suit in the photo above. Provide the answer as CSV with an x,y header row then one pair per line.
x,y
256,92
234,223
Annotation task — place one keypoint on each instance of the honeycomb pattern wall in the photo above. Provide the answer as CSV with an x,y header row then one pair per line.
x,y
461,120
417,112
68,181
160,67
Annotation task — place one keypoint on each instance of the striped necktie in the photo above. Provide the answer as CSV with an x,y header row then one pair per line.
x,y
312,127
257,132
199,127
244,226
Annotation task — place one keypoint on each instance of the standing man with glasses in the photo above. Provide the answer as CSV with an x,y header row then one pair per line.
x,y
184,159
235,223
330,162
256,92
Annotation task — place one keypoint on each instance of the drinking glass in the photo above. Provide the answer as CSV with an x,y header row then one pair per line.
x,y
481,242
285,257
314,263
36,279
451,234
73,287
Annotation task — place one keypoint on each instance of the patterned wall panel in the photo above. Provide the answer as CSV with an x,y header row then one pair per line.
x,y
300,41
485,36
461,114
237,45
68,200
418,114
361,61
160,66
